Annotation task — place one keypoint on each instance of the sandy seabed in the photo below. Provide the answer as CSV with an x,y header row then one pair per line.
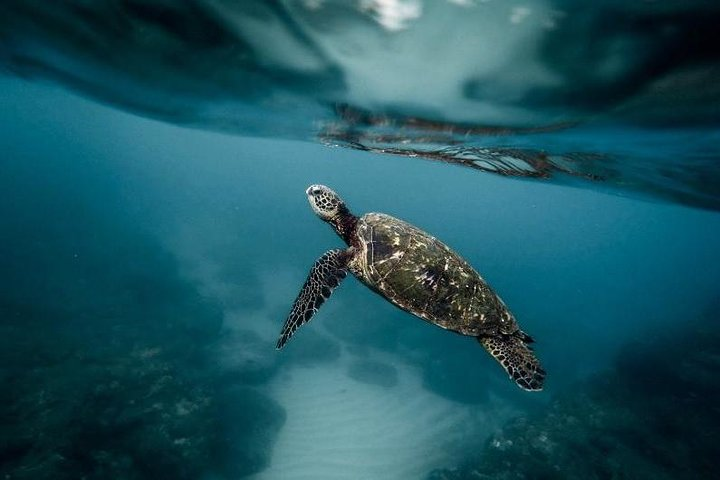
x,y
340,428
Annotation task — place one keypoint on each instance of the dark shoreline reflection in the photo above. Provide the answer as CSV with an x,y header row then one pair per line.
x,y
290,70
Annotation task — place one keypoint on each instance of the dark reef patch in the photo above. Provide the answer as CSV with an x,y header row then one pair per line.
x,y
653,416
115,385
247,434
107,353
373,373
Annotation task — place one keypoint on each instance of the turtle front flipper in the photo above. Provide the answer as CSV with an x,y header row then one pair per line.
x,y
518,360
326,274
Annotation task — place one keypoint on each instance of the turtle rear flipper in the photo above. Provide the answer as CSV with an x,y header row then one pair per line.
x,y
516,358
326,274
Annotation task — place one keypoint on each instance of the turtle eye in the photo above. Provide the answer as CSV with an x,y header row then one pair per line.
x,y
316,191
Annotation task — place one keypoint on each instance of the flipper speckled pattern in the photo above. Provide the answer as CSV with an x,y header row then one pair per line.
x,y
326,274
517,358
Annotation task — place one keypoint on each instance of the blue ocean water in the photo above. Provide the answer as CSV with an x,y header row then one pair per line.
x,y
155,232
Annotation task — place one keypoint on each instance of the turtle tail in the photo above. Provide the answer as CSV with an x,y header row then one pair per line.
x,y
517,358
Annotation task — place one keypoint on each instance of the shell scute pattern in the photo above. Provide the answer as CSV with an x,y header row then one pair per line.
x,y
423,276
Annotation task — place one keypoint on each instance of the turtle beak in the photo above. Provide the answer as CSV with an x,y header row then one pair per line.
x,y
308,190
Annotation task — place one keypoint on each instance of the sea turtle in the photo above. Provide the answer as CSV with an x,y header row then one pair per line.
x,y
418,273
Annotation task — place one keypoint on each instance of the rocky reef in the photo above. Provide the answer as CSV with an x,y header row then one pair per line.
x,y
108,353
654,415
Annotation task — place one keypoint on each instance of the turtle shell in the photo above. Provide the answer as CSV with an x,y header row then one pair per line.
x,y
423,276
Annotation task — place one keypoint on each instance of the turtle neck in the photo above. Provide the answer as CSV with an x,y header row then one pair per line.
x,y
344,224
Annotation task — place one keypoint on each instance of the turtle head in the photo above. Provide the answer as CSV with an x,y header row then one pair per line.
x,y
325,202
